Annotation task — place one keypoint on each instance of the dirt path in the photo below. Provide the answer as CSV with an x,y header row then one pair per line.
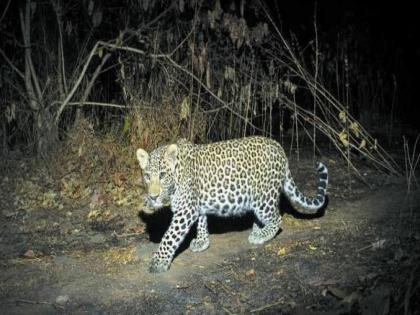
x,y
355,258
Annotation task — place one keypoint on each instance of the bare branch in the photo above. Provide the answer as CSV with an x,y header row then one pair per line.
x,y
93,104
76,85
19,73
5,11
171,6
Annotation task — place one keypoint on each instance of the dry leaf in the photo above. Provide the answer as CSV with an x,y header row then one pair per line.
x,y
251,273
343,138
118,179
282,251
355,128
93,214
185,109
229,73
343,116
138,229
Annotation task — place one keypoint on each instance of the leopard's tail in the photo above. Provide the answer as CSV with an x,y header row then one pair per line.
x,y
304,204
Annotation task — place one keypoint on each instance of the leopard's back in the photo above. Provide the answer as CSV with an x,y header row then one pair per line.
x,y
234,176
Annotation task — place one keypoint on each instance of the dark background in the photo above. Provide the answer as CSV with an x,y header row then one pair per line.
x,y
387,32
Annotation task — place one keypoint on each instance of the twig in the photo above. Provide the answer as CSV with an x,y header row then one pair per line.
x,y
39,302
127,234
14,68
76,85
171,6
5,11
226,288
227,310
266,306
209,288
94,76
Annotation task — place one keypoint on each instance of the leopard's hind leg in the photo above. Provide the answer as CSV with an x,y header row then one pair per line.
x,y
269,216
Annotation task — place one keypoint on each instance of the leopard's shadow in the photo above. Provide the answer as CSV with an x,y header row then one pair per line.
x,y
158,222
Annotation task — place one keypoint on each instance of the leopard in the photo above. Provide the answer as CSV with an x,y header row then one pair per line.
x,y
225,178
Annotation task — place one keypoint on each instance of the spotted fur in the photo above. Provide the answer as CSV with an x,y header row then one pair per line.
x,y
225,179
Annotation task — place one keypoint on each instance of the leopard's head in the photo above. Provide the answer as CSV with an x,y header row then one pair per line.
x,y
158,174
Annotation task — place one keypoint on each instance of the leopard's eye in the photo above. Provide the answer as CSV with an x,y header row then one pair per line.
x,y
146,176
162,175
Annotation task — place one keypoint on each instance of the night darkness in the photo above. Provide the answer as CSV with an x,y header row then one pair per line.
x,y
387,32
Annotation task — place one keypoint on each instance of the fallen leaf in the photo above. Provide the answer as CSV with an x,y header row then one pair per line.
x,y
282,251
93,214
251,273
138,229
118,179
311,247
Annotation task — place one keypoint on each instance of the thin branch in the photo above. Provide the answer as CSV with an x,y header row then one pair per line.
x,y
130,49
14,68
76,85
94,77
5,11
171,6
93,104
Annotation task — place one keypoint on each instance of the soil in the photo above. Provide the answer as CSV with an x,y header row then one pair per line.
x,y
360,257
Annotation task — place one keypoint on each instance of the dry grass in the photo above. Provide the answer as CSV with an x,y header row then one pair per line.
x,y
148,126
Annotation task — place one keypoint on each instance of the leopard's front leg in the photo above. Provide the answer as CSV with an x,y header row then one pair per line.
x,y
178,229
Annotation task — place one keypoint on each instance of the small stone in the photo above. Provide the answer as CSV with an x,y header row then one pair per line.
x,y
62,299
29,254
97,238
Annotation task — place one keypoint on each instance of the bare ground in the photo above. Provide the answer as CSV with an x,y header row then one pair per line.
x,y
361,257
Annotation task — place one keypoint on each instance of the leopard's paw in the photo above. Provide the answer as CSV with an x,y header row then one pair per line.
x,y
255,237
158,265
199,244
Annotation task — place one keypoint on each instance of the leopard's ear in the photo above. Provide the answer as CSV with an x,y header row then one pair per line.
x,y
171,155
143,158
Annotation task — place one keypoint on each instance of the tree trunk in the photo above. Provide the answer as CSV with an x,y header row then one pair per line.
x,y
46,133
44,126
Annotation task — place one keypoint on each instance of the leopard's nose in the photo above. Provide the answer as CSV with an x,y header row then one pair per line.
x,y
153,197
